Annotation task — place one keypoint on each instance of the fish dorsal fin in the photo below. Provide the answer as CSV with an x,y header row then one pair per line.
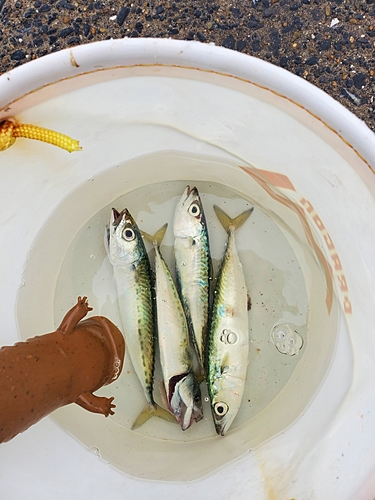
x,y
157,238
230,224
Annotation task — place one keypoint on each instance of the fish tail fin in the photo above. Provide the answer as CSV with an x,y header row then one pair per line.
x,y
158,237
149,411
232,224
163,393
164,414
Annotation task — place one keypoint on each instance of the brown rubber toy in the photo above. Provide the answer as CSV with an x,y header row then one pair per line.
x,y
49,371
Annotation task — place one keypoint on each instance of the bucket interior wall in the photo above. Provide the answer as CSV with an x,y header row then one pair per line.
x,y
307,185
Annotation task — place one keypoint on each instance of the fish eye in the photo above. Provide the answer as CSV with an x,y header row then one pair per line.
x,y
221,409
194,209
128,234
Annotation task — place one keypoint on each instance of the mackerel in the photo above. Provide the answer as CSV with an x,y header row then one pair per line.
x,y
128,256
228,344
193,267
181,389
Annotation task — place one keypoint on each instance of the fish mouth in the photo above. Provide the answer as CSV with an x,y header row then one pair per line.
x,y
184,406
128,217
187,192
116,217
220,429
222,425
189,414
190,191
119,216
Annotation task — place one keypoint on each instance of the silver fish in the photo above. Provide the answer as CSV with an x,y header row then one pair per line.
x,y
193,266
182,392
228,344
128,255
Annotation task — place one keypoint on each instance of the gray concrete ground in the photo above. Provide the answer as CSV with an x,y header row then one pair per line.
x,y
329,43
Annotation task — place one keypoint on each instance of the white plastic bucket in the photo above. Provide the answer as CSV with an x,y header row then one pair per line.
x,y
161,111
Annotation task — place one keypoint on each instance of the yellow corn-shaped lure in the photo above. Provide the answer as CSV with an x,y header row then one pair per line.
x,y
10,130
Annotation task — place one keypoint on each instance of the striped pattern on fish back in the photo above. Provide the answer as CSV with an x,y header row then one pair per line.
x,y
146,319
172,325
193,280
224,289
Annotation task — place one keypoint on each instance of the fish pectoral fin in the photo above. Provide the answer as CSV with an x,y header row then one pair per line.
x,y
150,411
225,361
191,241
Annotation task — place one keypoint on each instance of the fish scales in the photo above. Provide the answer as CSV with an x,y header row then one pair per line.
x,y
193,266
137,316
173,334
229,309
192,279
146,319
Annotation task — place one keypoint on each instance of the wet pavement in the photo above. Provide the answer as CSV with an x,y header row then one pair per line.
x,y
330,44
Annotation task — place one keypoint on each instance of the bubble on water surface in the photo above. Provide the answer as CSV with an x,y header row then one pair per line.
x,y
286,339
